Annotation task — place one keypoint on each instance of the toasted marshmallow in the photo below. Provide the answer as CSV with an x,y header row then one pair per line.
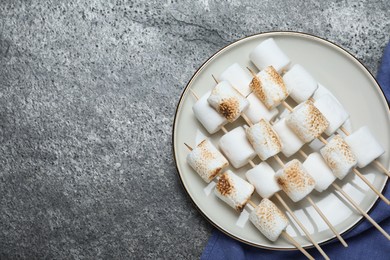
x,y
207,116
269,87
364,146
291,143
267,54
264,139
236,147
206,160
319,170
233,190
269,219
306,121
263,178
227,101
338,156
333,111
300,83
238,77
257,110
294,180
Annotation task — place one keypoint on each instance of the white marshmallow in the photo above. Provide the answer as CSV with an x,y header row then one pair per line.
x,y
306,121
236,147
257,110
321,90
299,83
233,190
263,178
207,116
291,143
269,87
227,101
206,160
269,219
338,156
264,139
333,111
267,54
294,180
364,145
319,170
238,77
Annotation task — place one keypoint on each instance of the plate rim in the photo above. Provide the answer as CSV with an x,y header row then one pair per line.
x,y
230,45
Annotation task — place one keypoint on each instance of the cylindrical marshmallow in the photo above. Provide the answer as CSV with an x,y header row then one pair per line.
x,y
267,54
269,87
233,190
263,178
338,156
291,143
264,139
319,170
269,219
257,110
227,101
206,160
364,146
236,147
294,180
238,77
306,121
333,111
207,116
300,83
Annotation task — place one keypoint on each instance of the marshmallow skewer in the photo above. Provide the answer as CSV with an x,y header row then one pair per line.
x,y
357,207
356,171
245,198
277,195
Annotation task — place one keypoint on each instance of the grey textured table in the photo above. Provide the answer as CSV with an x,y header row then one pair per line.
x,y
88,91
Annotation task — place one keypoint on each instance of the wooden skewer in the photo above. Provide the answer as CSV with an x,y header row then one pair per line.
x,y
289,238
355,205
322,215
361,211
301,226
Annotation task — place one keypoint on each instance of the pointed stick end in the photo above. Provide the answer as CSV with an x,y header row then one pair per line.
x,y
216,81
189,147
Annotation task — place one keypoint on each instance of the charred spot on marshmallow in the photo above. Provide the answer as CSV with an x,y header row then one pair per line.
x,y
224,185
275,76
256,87
294,176
229,108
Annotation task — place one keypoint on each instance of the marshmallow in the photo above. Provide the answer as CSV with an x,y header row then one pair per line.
x,y
236,147
319,170
227,101
290,141
267,54
269,87
333,111
238,77
300,83
306,121
233,190
207,116
294,180
338,156
269,219
263,178
257,110
264,139
364,145
206,160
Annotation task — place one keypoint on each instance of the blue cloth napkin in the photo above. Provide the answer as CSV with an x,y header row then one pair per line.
x,y
364,241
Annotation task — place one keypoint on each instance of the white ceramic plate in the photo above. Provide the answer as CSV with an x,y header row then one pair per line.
x,y
347,79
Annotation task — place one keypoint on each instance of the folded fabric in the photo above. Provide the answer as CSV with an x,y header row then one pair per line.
x,y
364,241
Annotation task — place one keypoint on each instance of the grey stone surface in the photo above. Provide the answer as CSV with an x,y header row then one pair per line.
x,y
88,91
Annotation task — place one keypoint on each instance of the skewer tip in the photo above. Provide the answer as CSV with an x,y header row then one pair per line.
x,y
189,147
